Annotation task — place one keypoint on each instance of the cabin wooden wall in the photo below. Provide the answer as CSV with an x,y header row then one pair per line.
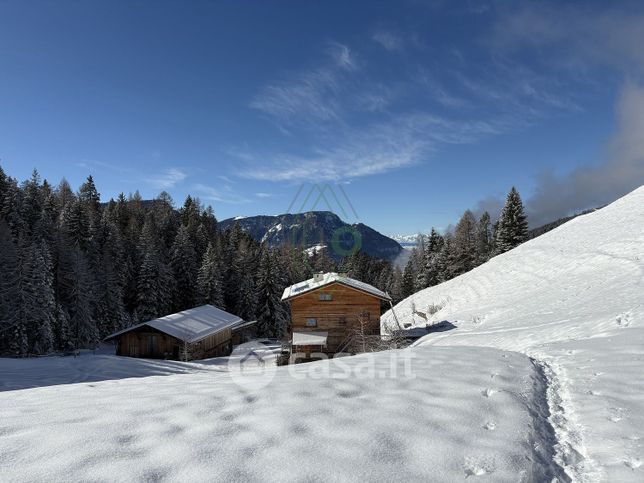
x,y
338,316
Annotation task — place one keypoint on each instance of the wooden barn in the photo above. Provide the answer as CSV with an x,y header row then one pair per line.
x,y
328,311
196,333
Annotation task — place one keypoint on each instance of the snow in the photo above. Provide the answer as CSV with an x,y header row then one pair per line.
x,y
191,325
327,279
540,379
444,415
102,365
314,249
310,338
573,300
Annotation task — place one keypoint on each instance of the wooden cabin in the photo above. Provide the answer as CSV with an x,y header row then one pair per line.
x,y
196,333
328,311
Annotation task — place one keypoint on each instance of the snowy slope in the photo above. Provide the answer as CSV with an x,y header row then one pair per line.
x,y
572,299
103,365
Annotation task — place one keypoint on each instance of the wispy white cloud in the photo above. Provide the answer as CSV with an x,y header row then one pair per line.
x,y
262,194
401,142
223,194
310,96
306,96
577,40
100,165
342,55
167,179
349,126
388,40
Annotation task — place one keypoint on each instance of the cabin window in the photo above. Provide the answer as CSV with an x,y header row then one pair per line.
x,y
311,322
342,320
326,296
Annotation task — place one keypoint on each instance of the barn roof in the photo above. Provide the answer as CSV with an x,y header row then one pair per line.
x,y
191,325
325,279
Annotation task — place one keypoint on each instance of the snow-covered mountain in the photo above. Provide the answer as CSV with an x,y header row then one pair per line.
x,y
315,228
406,241
572,300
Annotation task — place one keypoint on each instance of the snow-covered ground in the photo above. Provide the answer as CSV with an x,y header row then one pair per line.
x,y
572,299
445,415
102,365
543,374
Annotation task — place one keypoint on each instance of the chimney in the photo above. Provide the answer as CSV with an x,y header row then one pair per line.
x,y
318,277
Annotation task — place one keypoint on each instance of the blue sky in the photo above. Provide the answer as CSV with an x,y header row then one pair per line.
x,y
417,109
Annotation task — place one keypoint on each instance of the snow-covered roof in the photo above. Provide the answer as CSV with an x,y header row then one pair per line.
x,y
190,325
309,338
324,279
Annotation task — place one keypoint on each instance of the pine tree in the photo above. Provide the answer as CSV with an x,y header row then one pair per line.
x,y
513,226
421,263
74,288
464,247
408,279
13,330
434,247
484,245
445,261
109,312
271,314
89,196
40,301
210,283
75,224
232,265
184,265
32,202
154,287
247,297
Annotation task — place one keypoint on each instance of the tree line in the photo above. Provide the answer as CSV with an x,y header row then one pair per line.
x,y
75,269
438,258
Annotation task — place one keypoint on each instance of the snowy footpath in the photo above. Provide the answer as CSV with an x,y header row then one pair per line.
x,y
573,300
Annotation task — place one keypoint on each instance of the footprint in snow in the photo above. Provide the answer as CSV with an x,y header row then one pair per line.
x,y
489,392
490,426
623,320
478,466
633,463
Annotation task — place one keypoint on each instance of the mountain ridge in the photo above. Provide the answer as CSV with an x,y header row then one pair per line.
x,y
315,228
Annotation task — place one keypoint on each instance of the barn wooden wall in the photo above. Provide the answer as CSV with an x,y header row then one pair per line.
x,y
137,343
